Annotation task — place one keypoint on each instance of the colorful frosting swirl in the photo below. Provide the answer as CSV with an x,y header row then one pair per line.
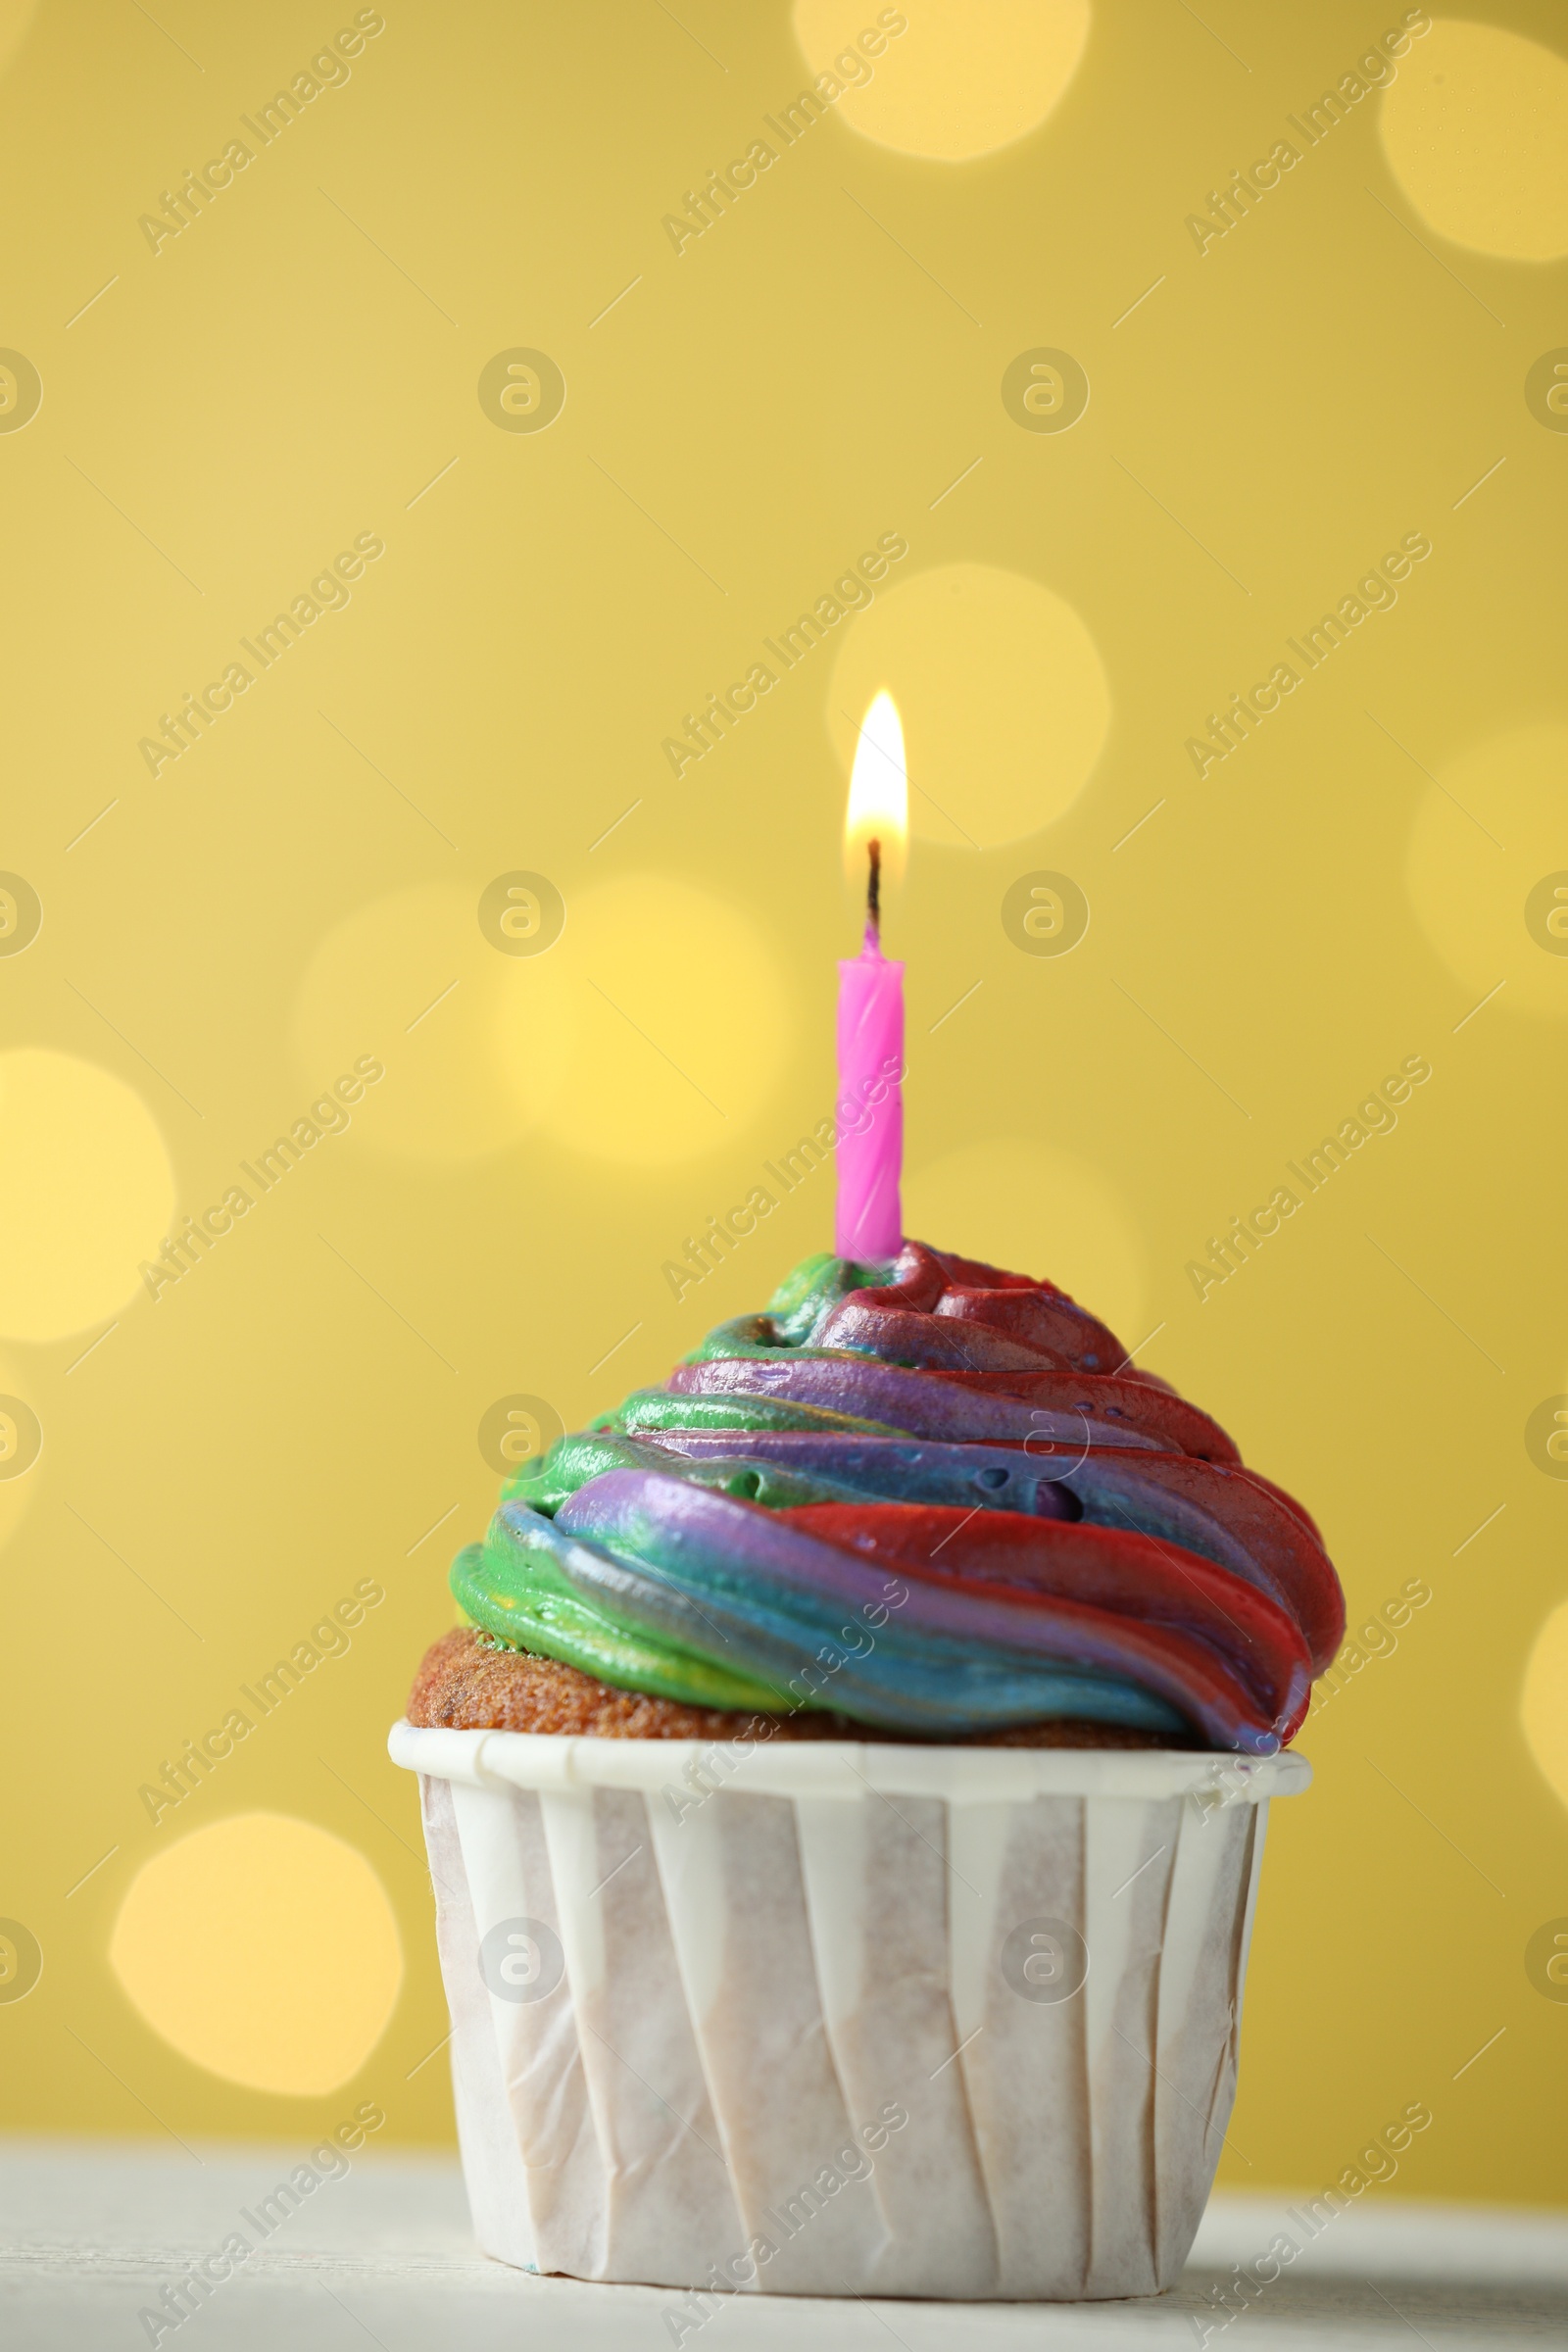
x,y
931,1496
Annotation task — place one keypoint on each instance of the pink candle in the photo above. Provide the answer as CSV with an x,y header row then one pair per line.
x,y
870,1103
869,1111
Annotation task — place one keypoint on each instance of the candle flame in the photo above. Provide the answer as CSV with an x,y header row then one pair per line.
x,y
879,796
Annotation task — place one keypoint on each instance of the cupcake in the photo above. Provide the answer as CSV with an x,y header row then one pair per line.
x,y
845,1802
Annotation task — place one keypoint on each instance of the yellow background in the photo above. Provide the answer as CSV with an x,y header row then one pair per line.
x,y
819,367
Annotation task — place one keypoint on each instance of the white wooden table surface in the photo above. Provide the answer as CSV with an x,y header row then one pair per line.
x,y
91,2234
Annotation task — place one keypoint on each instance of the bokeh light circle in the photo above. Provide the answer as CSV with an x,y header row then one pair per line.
x,y
1032,1210
264,1949
1002,694
1475,129
411,979
962,78
1543,1701
1484,836
676,1012
86,1193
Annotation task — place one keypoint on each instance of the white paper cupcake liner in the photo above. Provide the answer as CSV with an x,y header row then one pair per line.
x,y
830,2019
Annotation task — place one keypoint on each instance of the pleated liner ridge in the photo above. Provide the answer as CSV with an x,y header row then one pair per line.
x,y
750,1992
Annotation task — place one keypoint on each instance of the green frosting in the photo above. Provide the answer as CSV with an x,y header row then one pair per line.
x,y
573,1461
518,1596
657,1408
802,1301
514,1588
